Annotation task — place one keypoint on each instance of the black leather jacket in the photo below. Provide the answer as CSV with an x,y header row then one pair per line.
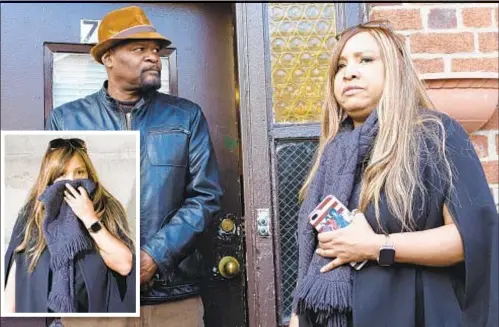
x,y
179,182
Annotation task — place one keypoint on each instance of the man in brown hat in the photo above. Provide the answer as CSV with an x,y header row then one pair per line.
x,y
180,189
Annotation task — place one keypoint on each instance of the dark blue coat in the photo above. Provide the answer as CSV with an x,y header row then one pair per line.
x,y
107,290
463,295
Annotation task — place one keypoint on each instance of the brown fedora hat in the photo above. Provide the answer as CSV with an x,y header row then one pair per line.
x,y
129,23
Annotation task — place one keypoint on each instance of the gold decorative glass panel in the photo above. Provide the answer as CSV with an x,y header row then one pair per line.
x,y
301,39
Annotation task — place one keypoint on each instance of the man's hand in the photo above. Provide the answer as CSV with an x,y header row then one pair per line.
x,y
147,267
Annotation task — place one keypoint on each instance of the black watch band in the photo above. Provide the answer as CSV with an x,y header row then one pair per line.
x,y
386,255
95,227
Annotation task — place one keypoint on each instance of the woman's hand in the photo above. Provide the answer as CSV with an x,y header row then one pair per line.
x,y
355,243
114,252
81,204
294,322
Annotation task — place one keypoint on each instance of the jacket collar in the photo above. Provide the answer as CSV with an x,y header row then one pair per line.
x,y
111,103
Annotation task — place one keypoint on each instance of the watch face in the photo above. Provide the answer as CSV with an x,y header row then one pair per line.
x,y
386,256
95,227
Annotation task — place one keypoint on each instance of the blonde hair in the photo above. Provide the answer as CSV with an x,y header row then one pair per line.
x,y
114,217
394,163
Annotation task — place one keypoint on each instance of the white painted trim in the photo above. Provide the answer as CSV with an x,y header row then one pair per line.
x,y
424,13
457,55
447,64
447,75
475,43
459,14
492,145
448,31
416,5
491,142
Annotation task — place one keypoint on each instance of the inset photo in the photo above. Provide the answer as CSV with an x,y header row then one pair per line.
x,y
70,202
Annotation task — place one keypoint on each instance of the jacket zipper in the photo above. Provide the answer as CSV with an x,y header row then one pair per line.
x,y
128,121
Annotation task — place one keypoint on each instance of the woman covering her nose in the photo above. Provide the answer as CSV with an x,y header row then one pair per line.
x,y
427,223
71,249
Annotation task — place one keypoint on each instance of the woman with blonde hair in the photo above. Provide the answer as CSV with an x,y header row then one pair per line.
x,y
426,221
71,249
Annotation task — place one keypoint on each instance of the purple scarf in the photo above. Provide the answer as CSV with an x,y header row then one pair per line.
x,y
329,295
66,237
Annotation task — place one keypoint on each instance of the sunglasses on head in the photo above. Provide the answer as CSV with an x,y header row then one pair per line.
x,y
60,143
383,24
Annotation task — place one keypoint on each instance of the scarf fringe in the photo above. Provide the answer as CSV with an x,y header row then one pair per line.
x,y
319,294
329,300
66,252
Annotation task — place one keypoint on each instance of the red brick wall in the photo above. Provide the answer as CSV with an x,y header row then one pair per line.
x,y
453,40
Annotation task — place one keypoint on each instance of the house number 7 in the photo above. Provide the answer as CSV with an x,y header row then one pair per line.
x,y
88,30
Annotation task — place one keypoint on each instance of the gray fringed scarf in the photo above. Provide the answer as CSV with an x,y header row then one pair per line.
x,y
66,237
329,295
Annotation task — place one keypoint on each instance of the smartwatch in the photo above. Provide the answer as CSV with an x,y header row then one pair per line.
x,y
386,255
95,227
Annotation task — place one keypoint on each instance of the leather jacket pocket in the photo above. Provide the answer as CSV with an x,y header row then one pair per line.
x,y
168,147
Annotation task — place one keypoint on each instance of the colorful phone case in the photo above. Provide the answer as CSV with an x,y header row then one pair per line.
x,y
330,215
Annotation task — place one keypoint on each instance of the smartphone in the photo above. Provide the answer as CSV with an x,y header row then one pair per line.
x,y
330,215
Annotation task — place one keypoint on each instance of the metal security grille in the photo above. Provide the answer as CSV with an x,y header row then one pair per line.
x,y
293,163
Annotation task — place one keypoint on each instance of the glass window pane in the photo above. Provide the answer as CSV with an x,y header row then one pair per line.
x,y
77,75
301,39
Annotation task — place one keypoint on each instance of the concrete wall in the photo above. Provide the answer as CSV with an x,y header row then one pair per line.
x,y
114,158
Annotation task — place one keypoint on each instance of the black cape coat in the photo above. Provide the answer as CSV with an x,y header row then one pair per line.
x,y
107,290
463,295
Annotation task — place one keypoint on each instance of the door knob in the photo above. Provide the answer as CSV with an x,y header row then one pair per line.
x,y
227,225
229,267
